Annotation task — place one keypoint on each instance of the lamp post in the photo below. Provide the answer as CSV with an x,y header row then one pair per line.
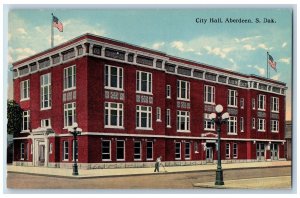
x,y
75,131
219,119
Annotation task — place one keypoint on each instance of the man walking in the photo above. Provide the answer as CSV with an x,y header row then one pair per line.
x,y
157,164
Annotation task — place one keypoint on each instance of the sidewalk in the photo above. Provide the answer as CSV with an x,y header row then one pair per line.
x,y
93,173
282,182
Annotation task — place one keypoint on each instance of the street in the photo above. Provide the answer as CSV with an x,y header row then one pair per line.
x,y
158,181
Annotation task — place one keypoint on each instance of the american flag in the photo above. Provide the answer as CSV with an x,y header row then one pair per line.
x,y
272,63
56,23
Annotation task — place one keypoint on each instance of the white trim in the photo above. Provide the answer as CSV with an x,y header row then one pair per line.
x,y
212,95
157,136
165,57
73,111
120,114
237,151
148,111
22,88
227,149
232,93
73,77
106,153
176,158
187,90
168,91
140,148
42,91
120,84
263,102
149,83
263,129
187,121
168,118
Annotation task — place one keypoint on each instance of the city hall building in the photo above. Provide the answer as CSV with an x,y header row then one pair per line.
x,y
135,104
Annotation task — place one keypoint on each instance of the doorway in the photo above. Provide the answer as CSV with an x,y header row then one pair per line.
x,y
274,151
209,155
260,151
41,154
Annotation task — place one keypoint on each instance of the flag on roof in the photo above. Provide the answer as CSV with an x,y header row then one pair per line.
x,y
272,63
56,23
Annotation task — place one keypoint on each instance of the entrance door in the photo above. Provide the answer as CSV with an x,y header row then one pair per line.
x,y
260,151
41,155
274,151
209,154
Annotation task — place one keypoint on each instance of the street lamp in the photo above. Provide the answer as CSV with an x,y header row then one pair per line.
x,y
219,119
75,131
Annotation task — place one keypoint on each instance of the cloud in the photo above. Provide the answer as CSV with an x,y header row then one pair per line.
x,y
264,46
216,51
19,53
199,53
276,77
285,60
238,40
249,47
21,31
158,45
283,44
261,71
179,45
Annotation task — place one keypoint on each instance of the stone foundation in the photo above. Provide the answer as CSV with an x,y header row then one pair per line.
x,y
137,164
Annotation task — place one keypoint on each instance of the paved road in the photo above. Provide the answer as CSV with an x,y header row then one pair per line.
x,y
159,181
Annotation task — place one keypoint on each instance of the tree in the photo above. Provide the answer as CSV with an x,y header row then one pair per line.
x,y
14,117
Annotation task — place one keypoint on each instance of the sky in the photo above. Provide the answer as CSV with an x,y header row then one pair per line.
x,y
240,47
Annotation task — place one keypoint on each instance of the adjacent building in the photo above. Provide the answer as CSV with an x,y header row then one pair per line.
x,y
134,104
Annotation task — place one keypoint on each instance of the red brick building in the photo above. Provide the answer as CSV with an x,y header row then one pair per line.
x,y
134,104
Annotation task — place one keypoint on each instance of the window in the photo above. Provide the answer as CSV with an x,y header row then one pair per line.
x,y
66,150
177,150
183,121
137,150
45,123
158,114
168,119
232,125
261,102
275,104
69,114
26,120
144,82
50,148
274,126
232,98
261,124
149,150
209,94
114,115
168,91
27,151
253,103
143,117
242,103
187,153
120,150
183,90
22,147
227,151
253,123
208,124
70,77
242,124
113,77
106,150
45,91
75,145
235,150
24,88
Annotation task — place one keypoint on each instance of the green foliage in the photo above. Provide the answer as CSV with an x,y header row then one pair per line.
x,y
14,117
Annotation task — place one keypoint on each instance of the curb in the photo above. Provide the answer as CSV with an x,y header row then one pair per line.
x,y
139,174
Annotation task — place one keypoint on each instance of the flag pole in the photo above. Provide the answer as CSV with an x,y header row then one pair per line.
x,y
52,32
267,65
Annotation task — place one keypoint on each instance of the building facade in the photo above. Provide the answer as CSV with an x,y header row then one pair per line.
x,y
134,104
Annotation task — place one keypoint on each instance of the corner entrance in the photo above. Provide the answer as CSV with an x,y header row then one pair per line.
x,y
260,151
